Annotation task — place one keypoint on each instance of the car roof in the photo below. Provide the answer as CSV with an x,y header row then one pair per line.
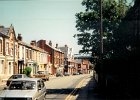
x,y
26,79
19,74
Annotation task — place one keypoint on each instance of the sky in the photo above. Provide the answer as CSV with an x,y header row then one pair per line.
x,y
43,19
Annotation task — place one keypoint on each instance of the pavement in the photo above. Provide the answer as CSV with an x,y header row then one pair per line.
x,y
89,90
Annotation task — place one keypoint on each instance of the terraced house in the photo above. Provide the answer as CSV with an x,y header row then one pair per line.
x,y
8,51
15,54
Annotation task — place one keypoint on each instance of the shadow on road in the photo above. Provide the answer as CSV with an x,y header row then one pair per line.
x,y
60,91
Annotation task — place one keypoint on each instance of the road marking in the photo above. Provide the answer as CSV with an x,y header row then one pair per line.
x,y
71,95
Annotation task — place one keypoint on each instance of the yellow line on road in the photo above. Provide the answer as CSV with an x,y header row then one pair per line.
x,y
71,95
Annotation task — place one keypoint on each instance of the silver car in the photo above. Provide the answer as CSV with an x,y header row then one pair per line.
x,y
16,76
24,89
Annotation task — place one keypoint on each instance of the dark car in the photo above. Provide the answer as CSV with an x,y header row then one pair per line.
x,y
66,74
16,76
59,75
75,73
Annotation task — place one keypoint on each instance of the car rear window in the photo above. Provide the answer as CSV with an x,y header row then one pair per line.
x,y
22,85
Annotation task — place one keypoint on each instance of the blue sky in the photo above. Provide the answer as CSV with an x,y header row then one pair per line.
x,y
43,19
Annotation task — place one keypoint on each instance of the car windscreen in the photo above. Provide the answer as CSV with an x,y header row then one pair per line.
x,y
22,85
42,72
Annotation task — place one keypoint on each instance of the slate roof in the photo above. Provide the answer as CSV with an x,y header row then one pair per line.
x,y
4,31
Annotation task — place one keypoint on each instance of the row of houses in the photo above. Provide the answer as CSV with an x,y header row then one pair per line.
x,y
15,55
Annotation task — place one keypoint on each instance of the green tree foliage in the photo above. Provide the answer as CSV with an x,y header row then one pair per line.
x,y
35,64
127,36
27,71
88,24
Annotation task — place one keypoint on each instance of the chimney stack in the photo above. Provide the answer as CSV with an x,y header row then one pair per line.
x,y
19,37
33,43
56,46
50,43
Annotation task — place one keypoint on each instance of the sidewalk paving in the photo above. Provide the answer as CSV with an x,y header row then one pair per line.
x,y
88,91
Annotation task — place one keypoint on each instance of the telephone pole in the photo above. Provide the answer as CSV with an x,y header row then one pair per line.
x,y
101,30
101,77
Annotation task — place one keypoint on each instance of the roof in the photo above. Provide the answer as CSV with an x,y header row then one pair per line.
x,y
30,46
4,31
82,56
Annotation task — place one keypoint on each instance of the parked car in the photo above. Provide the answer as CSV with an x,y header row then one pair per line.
x,y
24,89
59,74
42,74
75,73
16,76
66,74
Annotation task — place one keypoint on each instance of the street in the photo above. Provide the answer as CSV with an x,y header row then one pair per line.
x,y
63,88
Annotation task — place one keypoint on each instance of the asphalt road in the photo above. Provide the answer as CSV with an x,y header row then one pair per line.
x,y
61,87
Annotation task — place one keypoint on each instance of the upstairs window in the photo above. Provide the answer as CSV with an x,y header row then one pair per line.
x,y
0,46
7,48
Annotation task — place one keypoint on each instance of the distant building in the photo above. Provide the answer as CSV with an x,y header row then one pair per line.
x,y
82,63
55,57
69,63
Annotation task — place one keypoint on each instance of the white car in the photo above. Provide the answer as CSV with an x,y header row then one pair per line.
x,y
24,89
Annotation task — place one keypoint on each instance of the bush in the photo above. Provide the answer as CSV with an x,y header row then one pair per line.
x,y
27,71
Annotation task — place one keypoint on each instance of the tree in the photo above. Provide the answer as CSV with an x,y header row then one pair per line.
x,y
127,35
27,71
87,23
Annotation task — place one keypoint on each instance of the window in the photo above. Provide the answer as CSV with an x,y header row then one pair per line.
x,y
11,51
22,85
0,46
7,48
40,84
16,51
10,67
30,54
26,53
22,51
1,66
